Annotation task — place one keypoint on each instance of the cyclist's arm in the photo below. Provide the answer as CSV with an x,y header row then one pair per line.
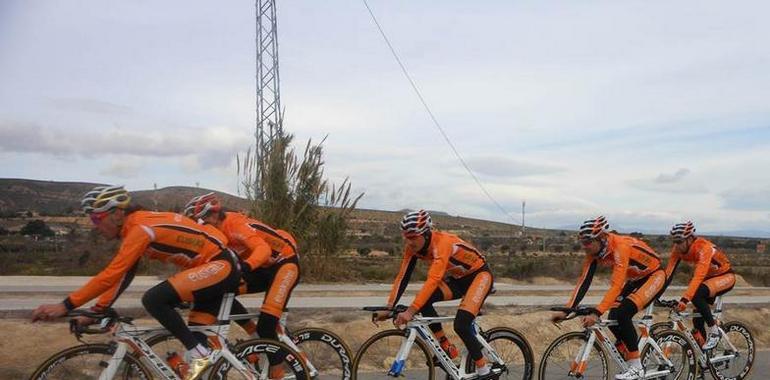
x,y
435,277
589,268
132,248
260,252
699,274
617,281
110,296
402,278
673,263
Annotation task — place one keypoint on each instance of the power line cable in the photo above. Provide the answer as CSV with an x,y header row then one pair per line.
x,y
430,113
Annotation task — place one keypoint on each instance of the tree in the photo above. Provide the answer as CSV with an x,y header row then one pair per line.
x,y
3,231
36,227
290,192
364,251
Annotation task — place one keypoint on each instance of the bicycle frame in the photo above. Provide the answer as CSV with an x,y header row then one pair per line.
x,y
418,329
703,361
599,332
128,335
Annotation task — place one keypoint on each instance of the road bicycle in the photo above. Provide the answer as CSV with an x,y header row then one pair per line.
x,y
584,354
129,356
731,359
414,352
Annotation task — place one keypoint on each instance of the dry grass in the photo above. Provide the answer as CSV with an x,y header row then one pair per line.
x,y
25,345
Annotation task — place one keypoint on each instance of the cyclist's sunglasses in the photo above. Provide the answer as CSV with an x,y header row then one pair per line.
x,y
98,217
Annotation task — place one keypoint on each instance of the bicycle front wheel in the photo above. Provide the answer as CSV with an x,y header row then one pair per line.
x,y
562,359
327,356
674,361
513,349
88,361
254,356
733,356
377,357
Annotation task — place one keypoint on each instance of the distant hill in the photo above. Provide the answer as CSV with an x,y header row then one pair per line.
x,y
62,198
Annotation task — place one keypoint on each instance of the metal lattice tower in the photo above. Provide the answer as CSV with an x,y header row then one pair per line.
x,y
268,90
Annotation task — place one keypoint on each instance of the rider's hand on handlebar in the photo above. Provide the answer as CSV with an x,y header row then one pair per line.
x,y
590,320
558,316
83,321
403,317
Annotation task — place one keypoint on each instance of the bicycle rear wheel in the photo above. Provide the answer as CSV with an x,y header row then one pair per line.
x,y
377,357
326,352
558,361
254,355
677,349
88,361
513,349
727,363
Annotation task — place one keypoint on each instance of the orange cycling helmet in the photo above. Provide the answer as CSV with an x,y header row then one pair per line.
x,y
200,206
593,228
682,231
416,223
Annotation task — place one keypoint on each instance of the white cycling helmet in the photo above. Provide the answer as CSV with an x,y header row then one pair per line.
x,y
105,198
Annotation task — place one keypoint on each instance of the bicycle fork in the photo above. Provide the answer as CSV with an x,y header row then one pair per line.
x,y
398,364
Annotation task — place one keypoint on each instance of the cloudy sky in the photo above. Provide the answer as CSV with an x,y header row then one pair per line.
x,y
648,112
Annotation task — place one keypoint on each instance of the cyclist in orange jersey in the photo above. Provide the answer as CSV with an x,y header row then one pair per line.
x,y
457,270
210,269
637,280
713,276
269,263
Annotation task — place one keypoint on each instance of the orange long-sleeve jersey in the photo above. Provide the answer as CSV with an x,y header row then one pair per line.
x,y
709,260
257,244
630,258
448,255
164,236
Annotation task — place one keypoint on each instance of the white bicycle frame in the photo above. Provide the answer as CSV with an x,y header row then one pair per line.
x,y
128,335
418,329
703,361
598,332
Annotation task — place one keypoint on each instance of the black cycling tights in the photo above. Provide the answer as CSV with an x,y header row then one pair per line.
x,y
625,331
159,302
702,302
464,328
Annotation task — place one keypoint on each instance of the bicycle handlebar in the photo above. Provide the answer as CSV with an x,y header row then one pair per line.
x,y
573,312
666,303
393,312
106,318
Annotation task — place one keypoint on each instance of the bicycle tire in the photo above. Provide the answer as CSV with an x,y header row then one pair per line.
x,y
132,368
687,359
427,357
745,332
292,361
518,339
343,362
660,327
549,355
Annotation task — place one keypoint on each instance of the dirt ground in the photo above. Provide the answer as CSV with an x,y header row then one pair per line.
x,y
26,345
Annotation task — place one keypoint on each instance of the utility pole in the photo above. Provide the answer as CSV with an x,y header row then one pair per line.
x,y
268,83
523,212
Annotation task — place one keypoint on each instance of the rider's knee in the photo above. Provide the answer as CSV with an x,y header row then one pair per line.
x,y
463,323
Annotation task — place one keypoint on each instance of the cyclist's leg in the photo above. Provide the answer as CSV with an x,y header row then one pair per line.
x,y
285,279
639,299
706,293
474,298
255,281
701,304
160,299
613,315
